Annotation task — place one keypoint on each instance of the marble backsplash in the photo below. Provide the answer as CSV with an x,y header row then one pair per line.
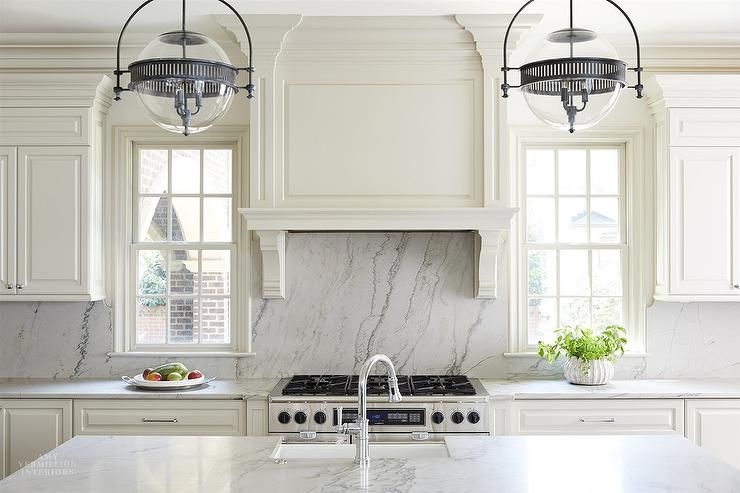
x,y
409,295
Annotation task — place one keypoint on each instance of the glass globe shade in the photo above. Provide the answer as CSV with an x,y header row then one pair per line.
x,y
202,98
590,97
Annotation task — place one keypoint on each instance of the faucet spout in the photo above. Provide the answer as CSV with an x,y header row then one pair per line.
x,y
362,456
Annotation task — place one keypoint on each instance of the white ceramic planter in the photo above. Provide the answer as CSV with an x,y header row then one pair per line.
x,y
596,372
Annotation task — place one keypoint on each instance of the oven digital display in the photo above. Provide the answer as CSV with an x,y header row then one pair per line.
x,y
385,417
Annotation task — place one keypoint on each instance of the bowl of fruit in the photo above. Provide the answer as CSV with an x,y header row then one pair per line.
x,y
167,376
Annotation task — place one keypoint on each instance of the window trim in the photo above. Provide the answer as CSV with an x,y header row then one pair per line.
x,y
637,224
120,181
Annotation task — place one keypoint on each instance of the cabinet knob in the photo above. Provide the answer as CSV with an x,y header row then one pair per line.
x,y
736,286
19,286
9,286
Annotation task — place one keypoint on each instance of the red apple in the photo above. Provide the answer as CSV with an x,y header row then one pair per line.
x,y
194,374
147,372
154,377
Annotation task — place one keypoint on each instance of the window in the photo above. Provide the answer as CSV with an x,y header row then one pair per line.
x,y
182,253
574,252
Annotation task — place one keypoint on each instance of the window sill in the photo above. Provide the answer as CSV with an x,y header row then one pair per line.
x,y
533,355
179,354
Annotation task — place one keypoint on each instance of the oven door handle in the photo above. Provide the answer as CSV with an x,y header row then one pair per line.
x,y
420,436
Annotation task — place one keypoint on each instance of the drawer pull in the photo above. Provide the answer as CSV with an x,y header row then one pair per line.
x,y
602,420
159,420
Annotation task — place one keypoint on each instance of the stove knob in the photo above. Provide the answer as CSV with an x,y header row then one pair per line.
x,y
473,417
320,417
300,417
458,417
284,417
437,417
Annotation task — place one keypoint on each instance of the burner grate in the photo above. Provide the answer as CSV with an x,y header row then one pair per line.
x,y
342,385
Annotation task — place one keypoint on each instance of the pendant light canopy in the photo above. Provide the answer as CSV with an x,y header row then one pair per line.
x,y
183,79
576,79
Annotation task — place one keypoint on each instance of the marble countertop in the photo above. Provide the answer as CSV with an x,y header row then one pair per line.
x,y
598,464
617,389
84,388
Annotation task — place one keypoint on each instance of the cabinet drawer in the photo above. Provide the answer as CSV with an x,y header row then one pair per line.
x,y
44,126
155,417
622,417
704,127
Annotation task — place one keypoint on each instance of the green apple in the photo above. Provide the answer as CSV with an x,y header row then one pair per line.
x,y
174,377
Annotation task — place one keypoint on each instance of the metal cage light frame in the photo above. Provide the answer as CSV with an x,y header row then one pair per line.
x,y
197,78
572,76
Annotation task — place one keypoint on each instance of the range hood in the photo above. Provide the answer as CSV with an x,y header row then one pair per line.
x,y
271,225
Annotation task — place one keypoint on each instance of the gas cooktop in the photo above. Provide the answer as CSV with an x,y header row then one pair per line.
x,y
410,385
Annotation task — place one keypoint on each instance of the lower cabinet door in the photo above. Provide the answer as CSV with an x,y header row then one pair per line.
x,y
715,426
31,428
157,417
597,417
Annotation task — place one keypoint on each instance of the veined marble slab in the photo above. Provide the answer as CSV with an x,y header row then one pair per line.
x,y
117,389
583,464
616,389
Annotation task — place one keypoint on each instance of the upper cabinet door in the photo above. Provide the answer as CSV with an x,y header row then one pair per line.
x,y
704,219
52,184
7,219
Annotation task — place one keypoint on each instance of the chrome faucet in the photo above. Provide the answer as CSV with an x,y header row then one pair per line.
x,y
359,429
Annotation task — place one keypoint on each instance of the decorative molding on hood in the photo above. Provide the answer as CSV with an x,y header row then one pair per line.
x,y
271,225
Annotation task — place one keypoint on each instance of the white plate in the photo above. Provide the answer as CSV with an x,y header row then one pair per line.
x,y
140,382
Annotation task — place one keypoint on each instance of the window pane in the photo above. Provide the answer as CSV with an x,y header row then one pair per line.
x,y
541,318
605,171
607,272
541,220
217,171
542,273
216,219
540,172
605,220
185,219
215,320
183,322
572,171
151,320
607,311
184,277
573,220
151,273
152,171
153,219
216,272
575,311
185,171
574,273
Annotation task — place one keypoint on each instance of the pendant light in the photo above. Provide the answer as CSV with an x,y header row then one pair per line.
x,y
183,79
576,79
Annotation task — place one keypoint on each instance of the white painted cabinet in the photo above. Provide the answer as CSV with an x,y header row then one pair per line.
x,y
51,222
30,428
697,221
704,221
715,426
257,416
51,213
591,417
158,417
7,218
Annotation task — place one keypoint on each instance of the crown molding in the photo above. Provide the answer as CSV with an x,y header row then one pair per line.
x,y
693,90
55,90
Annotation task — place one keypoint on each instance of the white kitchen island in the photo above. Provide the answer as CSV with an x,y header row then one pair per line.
x,y
604,464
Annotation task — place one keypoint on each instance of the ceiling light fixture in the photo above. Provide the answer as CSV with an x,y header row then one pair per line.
x,y
578,78
183,79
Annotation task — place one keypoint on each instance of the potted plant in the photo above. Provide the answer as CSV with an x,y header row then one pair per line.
x,y
590,355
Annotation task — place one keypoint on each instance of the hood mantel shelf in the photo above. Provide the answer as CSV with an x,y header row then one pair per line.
x,y
271,224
